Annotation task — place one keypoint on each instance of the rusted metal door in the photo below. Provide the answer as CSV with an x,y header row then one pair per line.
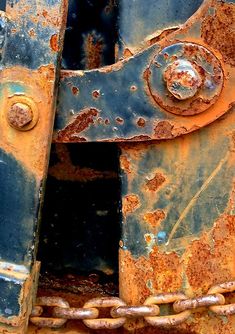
x,y
154,81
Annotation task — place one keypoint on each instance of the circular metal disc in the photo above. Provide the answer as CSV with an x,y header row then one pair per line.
x,y
206,64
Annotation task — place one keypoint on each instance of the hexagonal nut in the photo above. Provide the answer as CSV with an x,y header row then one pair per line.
x,y
19,115
182,79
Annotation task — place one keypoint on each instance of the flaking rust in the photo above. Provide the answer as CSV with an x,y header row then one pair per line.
x,y
195,261
78,124
218,31
201,266
130,203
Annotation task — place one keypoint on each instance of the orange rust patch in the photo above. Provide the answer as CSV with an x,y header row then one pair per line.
x,y
127,53
75,90
54,43
125,164
66,171
218,31
96,94
156,182
32,33
84,119
44,13
148,238
205,262
208,263
163,130
143,276
130,203
154,218
119,120
146,74
141,122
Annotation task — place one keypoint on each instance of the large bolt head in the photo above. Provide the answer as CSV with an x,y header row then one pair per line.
x,y
185,78
182,79
19,115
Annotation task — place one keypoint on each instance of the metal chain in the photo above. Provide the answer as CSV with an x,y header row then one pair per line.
x,y
120,312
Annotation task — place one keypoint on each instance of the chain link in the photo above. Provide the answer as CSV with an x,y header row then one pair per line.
x,y
75,313
120,312
223,288
193,303
167,320
135,311
105,323
40,321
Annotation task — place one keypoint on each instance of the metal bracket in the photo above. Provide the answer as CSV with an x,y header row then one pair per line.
x,y
133,100
31,38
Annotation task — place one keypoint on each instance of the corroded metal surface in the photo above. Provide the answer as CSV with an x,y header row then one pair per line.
x,y
193,76
20,115
183,79
187,304
91,106
77,290
178,217
214,304
178,195
105,323
178,221
49,322
29,71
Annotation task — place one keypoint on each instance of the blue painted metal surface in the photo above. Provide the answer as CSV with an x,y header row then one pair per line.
x,y
3,5
30,56
188,194
18,212
105,91
30,45
140,20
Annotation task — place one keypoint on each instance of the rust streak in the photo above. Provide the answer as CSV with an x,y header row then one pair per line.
x,y
81,122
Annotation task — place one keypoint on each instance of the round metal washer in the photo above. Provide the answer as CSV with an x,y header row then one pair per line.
x,y
206,64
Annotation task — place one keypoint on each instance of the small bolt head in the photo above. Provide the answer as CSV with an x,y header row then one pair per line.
x,y
182,79
20,115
